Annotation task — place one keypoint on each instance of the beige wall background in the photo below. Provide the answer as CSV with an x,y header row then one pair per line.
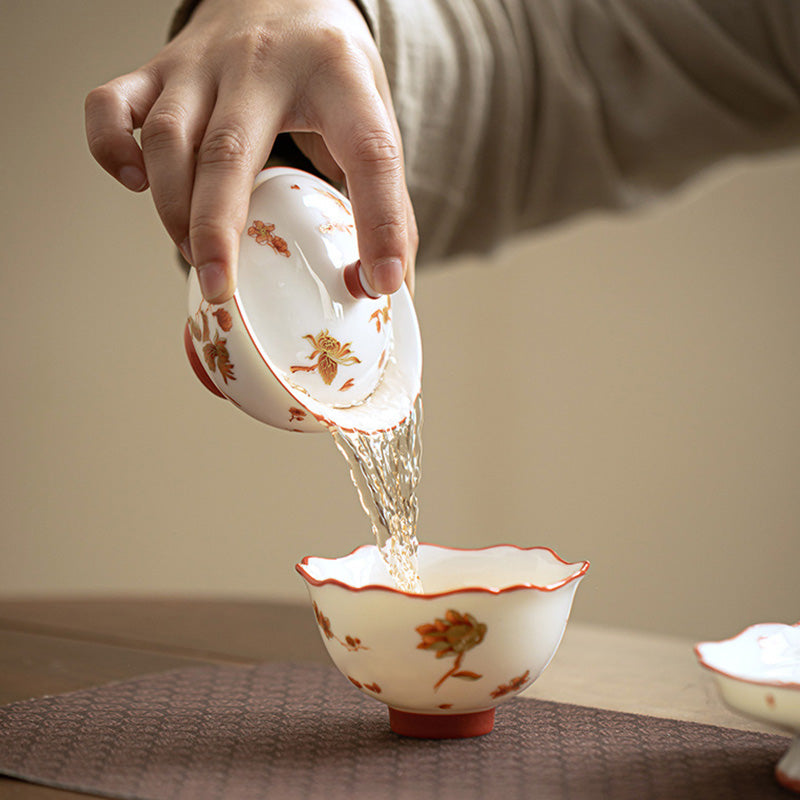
x,y
622,389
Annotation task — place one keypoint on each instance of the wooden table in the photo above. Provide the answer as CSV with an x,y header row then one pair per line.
x,y
53,646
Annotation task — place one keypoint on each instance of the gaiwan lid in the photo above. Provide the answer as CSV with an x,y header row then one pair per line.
x,y
312,318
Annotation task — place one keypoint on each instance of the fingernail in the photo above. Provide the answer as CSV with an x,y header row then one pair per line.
x,y
213,282
387,275
186,249
133,178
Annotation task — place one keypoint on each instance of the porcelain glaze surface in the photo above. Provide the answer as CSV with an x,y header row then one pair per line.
x,y
486,627
296,346
757,673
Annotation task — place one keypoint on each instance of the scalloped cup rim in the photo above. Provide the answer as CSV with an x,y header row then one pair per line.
x,y
582,566
776,683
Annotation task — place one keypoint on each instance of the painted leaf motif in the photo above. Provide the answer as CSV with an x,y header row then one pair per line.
x,y
223,319
514,685
217,356
194,328
225,367
210,355
203,317
467,675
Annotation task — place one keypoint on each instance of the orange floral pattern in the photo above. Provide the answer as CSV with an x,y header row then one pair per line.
x,y
452,636
330,354
348,384
351,643
262,232
372,687
296,414
514,685
215,353
330,226
323,622
381,316
217,357
332,196
223,319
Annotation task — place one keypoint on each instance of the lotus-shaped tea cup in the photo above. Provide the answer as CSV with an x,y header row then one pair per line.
x,y
485,627
757,673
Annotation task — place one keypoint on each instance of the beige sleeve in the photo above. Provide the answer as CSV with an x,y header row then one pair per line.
x,y
516,114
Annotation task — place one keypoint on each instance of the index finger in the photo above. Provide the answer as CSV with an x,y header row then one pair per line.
x,y
239,135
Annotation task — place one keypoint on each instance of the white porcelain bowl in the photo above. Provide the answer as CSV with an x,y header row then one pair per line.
x,y
757,673
487,625
301,342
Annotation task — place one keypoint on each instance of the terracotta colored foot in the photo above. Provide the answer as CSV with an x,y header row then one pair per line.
x,y
441,726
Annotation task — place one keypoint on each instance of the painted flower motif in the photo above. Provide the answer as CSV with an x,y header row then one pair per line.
x,y
452,636
351,643
332,196
514,685
217,357
330,354
215,353
223,319
381,316
323,622
262,232
296,414
330,226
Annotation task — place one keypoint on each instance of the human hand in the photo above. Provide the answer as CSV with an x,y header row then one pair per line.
x,y
210,105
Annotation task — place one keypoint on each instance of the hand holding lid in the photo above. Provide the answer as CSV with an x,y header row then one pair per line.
x,y
304,340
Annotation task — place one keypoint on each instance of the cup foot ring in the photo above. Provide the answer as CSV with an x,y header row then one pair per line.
x,y
441,726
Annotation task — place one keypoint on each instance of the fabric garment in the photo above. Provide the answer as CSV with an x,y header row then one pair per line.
x,y
516,114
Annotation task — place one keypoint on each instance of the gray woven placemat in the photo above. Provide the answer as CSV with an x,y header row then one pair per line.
x,y
301,732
